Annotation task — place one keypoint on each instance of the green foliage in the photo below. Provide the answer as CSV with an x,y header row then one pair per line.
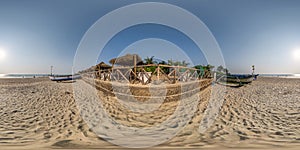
x,y
222,70
164,69
200,70
150,69
204,71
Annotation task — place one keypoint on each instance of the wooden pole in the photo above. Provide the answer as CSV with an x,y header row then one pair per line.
x,y
158,72
51,70
134,63
175,75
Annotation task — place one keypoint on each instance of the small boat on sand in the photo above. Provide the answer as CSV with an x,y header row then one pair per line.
x,y
236,80
59,78
244,79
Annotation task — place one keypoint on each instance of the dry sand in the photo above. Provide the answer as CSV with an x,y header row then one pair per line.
x,y
38,113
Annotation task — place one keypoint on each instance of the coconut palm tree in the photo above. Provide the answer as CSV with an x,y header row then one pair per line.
x,y
184,63
220,69
149,60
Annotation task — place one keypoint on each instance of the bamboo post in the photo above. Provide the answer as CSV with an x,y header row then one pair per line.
x,y
143,77
118,75
215,77
134,63
174,75
158,72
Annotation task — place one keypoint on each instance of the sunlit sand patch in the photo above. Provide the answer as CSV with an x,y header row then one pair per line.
x,y
38,113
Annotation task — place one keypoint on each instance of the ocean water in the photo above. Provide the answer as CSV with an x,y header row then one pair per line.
x,y
23,75
281,75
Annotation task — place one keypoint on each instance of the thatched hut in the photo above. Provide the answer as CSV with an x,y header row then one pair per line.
x,y
127,60
102,66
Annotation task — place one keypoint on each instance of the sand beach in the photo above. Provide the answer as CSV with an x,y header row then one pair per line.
x,y
40,114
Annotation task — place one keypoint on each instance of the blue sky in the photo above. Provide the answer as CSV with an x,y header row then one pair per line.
x,y
148,40
35,34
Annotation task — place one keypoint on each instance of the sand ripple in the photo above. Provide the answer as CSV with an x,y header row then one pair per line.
x,y
39,113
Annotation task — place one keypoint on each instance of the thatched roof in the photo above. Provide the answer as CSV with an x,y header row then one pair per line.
x,y
127,60
102,66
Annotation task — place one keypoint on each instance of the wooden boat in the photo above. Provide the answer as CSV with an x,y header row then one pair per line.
x,y
236,80
230,84
243,79
59,78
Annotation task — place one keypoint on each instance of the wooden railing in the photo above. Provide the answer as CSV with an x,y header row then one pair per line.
x,y
139,74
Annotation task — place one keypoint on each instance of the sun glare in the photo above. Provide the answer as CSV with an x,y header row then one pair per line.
x,y
2,54
296,54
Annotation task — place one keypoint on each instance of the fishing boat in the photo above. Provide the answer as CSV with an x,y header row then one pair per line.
x,y
244,79
236,80
230,84
59,78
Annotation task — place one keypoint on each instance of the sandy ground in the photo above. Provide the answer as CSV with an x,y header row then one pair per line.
x,y
38,113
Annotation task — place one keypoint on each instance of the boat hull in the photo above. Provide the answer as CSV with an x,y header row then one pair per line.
x,y
64,78
238,79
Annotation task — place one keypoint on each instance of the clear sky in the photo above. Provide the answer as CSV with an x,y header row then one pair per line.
x,y
35,34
